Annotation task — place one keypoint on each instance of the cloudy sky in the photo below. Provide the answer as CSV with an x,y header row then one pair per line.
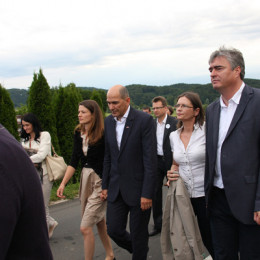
x,y
106,42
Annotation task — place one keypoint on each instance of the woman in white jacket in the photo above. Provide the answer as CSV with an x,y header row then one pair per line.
x,y
38,141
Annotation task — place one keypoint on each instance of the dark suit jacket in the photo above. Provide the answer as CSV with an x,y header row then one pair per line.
x,y
240,155
170,126
131,170
23,226
95,154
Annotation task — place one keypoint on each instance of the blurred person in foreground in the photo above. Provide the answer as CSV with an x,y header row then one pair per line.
x,y
37,143
232,181
89,149
23,227
188,144
129,173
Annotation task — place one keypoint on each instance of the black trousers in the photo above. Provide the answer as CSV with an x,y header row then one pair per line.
x,y
230,236
157,198
135,241
199,208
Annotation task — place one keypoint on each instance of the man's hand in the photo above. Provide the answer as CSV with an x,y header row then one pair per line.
x,y
257,217
146,203
103,195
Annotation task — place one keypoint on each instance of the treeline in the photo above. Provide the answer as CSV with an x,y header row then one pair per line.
x,y
142,94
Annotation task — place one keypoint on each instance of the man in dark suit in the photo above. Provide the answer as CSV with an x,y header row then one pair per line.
x,y
232,181
23,226
129,172
164,124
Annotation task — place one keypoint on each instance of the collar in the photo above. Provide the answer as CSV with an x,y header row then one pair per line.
x,y
196,126
164,120
235,98
124,117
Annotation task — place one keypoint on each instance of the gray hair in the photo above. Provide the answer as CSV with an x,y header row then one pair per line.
x,y
234,57
123,92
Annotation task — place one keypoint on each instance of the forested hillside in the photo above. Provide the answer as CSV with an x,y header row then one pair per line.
x,y
143,94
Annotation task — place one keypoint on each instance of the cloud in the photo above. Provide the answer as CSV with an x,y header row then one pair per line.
x,y
101,42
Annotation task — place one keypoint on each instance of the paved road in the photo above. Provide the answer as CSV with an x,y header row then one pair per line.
x,y
67,242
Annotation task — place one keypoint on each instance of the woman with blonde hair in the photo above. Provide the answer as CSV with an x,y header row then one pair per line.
x,y
89,148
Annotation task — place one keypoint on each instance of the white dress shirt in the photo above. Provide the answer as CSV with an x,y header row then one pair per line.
x,y
159,135
191,160
120,125
226,116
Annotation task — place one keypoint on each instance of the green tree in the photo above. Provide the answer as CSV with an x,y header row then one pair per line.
x,y
23,109
85,93
40,103
67,102
97,97
7,113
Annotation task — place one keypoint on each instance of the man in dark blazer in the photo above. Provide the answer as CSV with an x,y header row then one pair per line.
x,y
232,181
23,229
164,124
129,172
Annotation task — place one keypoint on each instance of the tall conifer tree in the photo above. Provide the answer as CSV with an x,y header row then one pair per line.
x,y
7,113
67,117
40,103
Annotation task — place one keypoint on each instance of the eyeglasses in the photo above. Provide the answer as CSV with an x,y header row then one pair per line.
x,y
182,106
156,108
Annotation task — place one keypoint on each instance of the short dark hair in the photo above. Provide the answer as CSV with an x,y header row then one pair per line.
x,y
146,108
234,57
160,98
194,98
170,109
32,119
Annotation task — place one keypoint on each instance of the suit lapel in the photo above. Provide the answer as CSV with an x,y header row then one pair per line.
x,y
127,129
112,131
215,124
245,97
166,130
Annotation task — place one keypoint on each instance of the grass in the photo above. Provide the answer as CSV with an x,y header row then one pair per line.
x,y
71,191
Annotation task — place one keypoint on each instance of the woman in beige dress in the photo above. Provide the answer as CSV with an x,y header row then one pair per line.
x,y
89,148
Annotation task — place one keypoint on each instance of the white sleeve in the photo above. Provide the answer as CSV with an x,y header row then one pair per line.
x,y
44,148
171,140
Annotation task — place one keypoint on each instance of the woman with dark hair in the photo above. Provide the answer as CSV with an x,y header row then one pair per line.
x,y
188,147
89,148
38,143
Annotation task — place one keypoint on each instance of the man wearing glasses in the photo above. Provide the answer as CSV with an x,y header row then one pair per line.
x,y
164,126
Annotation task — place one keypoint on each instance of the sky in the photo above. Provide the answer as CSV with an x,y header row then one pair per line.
x,y
102,43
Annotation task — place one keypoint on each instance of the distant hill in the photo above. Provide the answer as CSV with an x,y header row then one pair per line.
x,y
143,94
18,96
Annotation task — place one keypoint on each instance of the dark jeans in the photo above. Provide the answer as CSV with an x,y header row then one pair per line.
x,y
230,236
199,208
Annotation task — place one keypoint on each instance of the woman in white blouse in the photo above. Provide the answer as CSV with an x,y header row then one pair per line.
x,y
188,147
33,138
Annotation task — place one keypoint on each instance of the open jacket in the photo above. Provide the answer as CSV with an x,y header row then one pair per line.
x,y
180,236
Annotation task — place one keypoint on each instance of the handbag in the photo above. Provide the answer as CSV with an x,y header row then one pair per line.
x,y
56,166
38,166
